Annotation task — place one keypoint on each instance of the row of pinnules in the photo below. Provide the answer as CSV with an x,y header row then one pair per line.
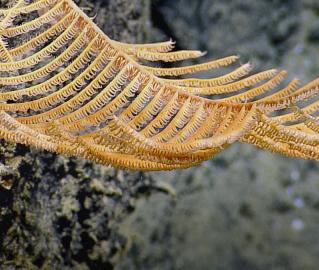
x,y
68,88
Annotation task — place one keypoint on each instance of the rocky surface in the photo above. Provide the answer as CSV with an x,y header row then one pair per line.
x,y
63,213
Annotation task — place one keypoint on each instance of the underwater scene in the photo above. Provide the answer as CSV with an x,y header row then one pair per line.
x,y
65,203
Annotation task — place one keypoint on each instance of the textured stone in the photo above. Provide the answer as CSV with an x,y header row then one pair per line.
x,y
260,30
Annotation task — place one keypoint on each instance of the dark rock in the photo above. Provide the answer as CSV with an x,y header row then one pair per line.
x,y
256,30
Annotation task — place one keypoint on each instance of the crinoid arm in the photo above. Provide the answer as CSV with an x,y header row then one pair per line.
x,y
66,87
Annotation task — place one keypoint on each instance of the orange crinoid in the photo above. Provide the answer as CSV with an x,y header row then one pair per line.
x,y
70,89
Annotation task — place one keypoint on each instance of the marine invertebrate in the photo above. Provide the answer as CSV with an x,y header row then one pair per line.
x,y
72,90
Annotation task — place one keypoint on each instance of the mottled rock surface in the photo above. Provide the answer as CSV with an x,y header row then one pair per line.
x,y
259,30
